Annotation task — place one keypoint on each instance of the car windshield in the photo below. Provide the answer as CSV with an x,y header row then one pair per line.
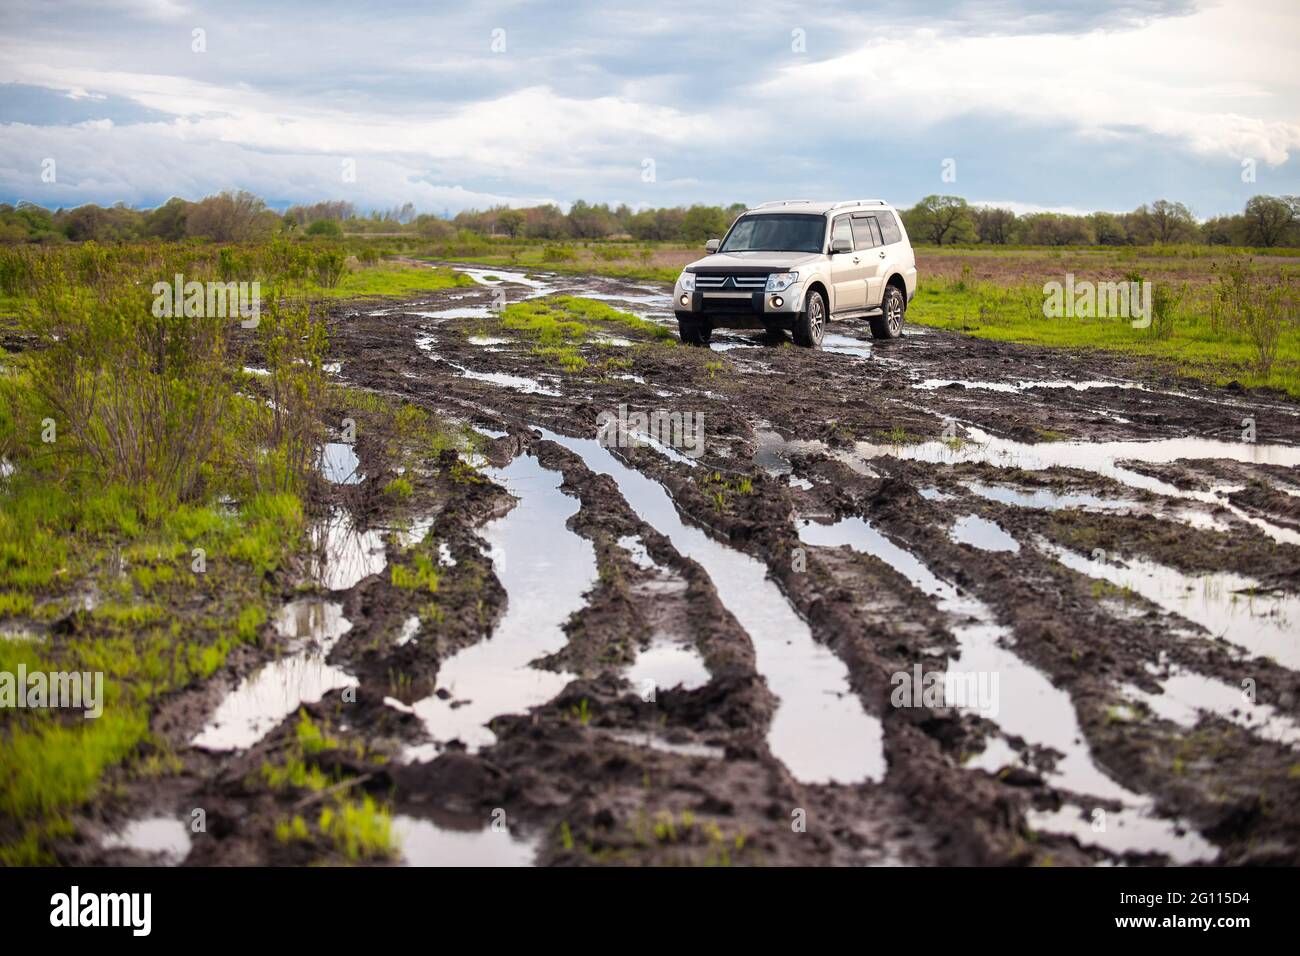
x,y
776,233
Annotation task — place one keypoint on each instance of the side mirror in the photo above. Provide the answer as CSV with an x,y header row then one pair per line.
x,y
712,246
841,245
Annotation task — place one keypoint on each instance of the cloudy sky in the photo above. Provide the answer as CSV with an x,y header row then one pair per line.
x,y
1028,103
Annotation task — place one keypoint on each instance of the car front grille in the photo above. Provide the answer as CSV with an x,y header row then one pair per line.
x,y
731,283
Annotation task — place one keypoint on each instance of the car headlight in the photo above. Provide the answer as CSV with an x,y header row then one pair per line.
x,y
687,281
780,281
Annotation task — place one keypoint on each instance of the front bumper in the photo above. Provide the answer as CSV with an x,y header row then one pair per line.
x,y
756,310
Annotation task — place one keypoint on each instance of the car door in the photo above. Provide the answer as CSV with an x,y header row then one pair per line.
x,y
898,252
848,285
867,239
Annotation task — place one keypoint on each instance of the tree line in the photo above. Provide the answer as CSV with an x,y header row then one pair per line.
x,y
1266,221
236,216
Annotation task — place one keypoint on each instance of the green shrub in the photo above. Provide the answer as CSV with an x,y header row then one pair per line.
x,y
329,228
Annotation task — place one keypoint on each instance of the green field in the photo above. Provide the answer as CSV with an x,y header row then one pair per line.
x,y
1226,317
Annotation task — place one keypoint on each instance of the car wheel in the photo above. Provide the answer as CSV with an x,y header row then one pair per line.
x,y
694,331
810,325
889,324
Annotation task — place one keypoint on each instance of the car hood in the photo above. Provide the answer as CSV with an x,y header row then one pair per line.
x,y
776,261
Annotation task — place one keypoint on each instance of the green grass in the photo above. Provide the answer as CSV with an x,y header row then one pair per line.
x,y
557,325
560,318
359,829
421,575
143,633
395,280
1193,348
535,257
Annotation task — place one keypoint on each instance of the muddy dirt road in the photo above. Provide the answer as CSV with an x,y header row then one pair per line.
x,y
645,655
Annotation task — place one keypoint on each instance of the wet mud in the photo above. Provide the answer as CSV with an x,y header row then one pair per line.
x,y
638,655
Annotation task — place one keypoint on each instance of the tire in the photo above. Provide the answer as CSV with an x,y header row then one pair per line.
x,y
889,324
810,324
694,331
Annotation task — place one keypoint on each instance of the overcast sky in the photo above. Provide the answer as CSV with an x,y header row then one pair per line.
x,y
1036,104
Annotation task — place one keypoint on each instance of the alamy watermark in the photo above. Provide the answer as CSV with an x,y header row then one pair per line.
x,y
1087,300
72,690
683,431
220,300
968,690
133,911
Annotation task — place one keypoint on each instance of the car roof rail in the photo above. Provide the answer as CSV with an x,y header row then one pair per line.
x,y
783,202
859,202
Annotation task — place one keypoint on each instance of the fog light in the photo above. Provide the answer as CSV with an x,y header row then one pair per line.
x,y
777,301
685,299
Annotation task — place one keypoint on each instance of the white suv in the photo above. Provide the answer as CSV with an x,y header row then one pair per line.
x,y
794,264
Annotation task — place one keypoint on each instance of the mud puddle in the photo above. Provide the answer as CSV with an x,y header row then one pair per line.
x,y
636,738
819,731
1107,701
455,840
1186,696
165,840
991,680
518,383
667,663
1023,386
540,285
983,534
1106,459
545,571
274,691
339,465
1230,606
1047,499
344,553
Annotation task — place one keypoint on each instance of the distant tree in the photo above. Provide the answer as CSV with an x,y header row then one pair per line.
x,y
168,220
328,228
1056,229
1108,229
941,219
547,222
703,222
339,209
11,230
1270,219
658,225
1163,221
590,222
431,227
511,222
1223,231
993,225
117,223
230,217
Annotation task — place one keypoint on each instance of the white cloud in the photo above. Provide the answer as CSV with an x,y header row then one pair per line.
x,y
576,116
1028,208
1221,81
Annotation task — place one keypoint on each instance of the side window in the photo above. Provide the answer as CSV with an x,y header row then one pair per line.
x,y
862,236
875,230
842,230
889,227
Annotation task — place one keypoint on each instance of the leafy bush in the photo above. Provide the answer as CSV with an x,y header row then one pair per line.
x,y
330,266
1259,307
559,254
144,396
329,228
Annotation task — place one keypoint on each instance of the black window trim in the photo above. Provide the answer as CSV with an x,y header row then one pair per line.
x,y
830,236
870,238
